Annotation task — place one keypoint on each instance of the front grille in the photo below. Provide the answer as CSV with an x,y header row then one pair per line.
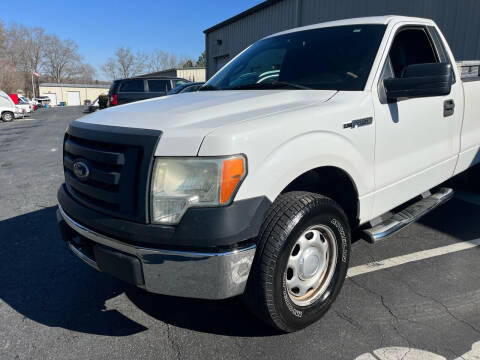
x,y
119,161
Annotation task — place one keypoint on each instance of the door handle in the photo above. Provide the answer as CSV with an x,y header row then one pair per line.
x,y
448,108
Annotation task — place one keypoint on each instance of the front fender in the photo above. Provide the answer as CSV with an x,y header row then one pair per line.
x,y
284,146
295,157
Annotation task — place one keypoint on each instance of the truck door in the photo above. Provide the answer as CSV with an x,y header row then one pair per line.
x,y
417,139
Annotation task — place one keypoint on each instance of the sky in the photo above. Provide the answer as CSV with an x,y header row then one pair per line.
x,y
100,27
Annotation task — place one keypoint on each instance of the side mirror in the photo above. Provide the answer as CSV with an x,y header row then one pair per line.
x,y
420,80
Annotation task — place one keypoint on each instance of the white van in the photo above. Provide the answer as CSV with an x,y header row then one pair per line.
x,y
8,110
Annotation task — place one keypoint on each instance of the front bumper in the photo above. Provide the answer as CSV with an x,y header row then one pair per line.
x,y
205,275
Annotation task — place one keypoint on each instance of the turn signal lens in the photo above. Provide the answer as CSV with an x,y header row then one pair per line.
x,y
233,171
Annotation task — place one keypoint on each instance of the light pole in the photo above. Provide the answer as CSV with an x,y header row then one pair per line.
x,y
33,84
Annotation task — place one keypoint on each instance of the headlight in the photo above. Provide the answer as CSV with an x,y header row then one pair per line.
x,y
181,183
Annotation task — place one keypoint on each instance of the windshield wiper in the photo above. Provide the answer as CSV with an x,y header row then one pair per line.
x,y
270,85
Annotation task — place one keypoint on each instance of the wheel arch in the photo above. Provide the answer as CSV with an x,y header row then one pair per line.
x,y
7,111
333,182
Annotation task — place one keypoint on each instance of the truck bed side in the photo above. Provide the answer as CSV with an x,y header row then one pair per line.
x,y
470,138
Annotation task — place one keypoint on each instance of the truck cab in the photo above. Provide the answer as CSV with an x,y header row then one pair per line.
x,y
253,185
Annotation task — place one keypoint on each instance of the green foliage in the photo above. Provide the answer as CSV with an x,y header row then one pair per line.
x,y
188,64
202,60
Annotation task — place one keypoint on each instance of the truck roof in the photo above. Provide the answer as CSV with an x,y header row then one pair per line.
x,y
385,20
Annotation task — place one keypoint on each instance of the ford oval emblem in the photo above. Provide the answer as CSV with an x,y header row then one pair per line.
x,y
80,169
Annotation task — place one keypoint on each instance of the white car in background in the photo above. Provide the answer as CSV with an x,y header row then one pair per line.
x,y
8,110
31,102
25,107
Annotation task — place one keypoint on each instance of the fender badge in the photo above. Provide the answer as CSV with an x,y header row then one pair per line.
x,y
358,123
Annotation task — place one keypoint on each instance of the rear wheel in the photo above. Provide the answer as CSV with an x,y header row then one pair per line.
x,y
7,116
301,262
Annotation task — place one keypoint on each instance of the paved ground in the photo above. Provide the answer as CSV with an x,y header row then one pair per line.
x,y
54,306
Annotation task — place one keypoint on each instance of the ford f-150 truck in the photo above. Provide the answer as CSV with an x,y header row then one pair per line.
x,y
253,185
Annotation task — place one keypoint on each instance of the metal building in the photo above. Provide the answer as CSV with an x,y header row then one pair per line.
x,y
190,74
458,19
72,94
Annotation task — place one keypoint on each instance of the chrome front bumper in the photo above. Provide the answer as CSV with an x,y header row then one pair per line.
x,y
178,273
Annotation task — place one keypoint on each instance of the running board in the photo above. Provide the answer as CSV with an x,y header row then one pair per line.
x,y
408,215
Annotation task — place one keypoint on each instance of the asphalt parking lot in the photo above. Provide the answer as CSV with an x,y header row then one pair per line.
x,y
414,296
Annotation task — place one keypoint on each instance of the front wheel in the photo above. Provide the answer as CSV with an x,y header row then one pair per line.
x,y
7,116
301,262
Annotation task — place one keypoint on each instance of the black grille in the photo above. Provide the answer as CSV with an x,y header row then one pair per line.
x,y
119,161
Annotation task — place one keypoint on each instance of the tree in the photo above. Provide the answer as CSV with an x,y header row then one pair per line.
x,y
19,56
10,79
27,50
61,58
110,69
15,44
202,60
160,60
33,53
2,37
35,48
125,64
84,74
188,63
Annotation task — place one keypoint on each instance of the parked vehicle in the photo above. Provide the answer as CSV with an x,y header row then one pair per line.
x,y
8,110
31,102
25,107
43,101
134,89
93,106
186,87
254,185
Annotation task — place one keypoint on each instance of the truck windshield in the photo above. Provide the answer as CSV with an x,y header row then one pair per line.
x,y
332,58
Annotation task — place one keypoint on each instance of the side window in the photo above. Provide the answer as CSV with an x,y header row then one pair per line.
x,y
158,85
442,52
132,86
411,46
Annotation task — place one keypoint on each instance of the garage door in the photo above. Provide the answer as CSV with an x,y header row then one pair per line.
x,y
73,98
220,61
53,98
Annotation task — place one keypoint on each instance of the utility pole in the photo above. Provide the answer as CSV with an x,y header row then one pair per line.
x,y
33,86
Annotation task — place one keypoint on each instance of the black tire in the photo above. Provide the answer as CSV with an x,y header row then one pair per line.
x,y
7,116
289,217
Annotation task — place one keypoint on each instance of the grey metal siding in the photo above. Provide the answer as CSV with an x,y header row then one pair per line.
x,y
458,19
238,35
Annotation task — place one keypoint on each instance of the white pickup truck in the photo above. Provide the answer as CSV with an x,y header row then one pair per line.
x,y
8,110
253,185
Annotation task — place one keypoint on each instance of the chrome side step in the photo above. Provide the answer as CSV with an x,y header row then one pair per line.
x,y
408,215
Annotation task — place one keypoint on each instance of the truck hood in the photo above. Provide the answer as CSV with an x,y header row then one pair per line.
x,y
185,119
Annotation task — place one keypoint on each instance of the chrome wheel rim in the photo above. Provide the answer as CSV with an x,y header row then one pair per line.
x,y
8,117
311,265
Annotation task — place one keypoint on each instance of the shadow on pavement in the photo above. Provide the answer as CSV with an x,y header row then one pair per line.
x,y
41,279
456,218
224,317
44,282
